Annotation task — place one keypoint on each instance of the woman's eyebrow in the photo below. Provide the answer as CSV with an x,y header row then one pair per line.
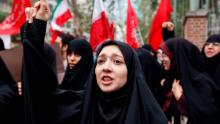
x,y
116,55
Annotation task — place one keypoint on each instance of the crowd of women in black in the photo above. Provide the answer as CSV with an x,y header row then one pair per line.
x,y
122,85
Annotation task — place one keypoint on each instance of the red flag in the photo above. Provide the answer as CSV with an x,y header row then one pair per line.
x,y
162,15
132,24
11,25
100,30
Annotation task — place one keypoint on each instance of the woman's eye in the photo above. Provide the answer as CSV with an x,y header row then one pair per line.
x,y
100,61
117,62
77,55
207,44
216,44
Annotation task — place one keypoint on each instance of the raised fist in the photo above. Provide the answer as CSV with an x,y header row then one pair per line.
x,y
42,10
168,25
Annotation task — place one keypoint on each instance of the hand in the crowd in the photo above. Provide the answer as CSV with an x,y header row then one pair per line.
x,y
40,11
43,10
168,25
162,82
30,12
177,89
19,88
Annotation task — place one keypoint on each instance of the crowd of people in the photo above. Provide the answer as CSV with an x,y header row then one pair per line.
x,y
177,84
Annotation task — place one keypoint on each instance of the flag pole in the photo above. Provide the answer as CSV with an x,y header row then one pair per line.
x,y
140,36
121,24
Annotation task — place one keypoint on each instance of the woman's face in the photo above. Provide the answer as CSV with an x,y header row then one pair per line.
x,y
73,59
159,55
64,50
211,49
166,62
111,71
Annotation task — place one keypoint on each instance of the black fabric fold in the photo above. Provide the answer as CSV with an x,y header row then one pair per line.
x,y
153,71
8,96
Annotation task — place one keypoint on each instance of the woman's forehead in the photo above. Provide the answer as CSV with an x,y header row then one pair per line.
x,y
110,50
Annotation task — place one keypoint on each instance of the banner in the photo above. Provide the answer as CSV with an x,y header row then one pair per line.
x,y
11,25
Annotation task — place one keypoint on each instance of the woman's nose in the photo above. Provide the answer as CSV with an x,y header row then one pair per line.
x,y
107,66
72,58
210,45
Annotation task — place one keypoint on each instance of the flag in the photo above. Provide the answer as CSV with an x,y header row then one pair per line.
x,y
11,25
162,15
100,30
60,15
131,25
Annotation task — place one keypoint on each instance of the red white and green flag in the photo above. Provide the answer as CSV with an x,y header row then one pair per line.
x,y
60,15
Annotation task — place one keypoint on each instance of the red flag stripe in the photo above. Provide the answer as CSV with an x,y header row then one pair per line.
x,y
11,25
132,23
100,30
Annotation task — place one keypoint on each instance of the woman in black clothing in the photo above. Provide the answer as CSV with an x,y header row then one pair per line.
x,y
80,61
153,71
8,96
117,92
188,89
2,47
211,53
44,102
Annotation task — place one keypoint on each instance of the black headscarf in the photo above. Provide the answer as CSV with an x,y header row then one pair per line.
x,y
66,38
213,63
147,47
8,95
75,78
198,87
153,71
132,104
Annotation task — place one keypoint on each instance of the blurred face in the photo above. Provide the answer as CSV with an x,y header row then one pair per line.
x,y
211,49
64,50
159,55
73,59
166,62
59,41
111,71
